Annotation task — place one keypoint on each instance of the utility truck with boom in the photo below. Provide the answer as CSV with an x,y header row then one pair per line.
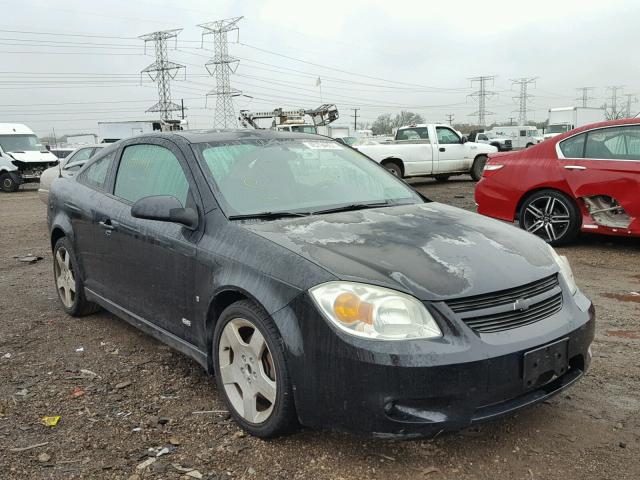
x,y
430,150
292,120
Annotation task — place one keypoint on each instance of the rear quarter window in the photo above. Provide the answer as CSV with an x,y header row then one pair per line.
x,y
95,175
573,147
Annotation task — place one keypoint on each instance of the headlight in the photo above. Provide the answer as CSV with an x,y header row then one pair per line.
x,y
565,269
374,312
491,167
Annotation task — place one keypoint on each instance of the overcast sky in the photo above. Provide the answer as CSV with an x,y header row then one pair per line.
x,y
69,64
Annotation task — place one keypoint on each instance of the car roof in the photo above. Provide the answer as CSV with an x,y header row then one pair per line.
x,y
15,129
206,136
88,145
591,126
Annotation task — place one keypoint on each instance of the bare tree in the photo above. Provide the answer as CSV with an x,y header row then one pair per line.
x,y
383,125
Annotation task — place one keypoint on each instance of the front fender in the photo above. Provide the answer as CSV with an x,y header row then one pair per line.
x,y
6,165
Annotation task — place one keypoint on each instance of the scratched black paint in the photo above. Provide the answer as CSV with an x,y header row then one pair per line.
x,y
150,273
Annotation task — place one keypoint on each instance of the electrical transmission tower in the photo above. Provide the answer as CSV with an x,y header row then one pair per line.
x,y
162,71
522,98
221,66
584,98
614,112
631,98
482,94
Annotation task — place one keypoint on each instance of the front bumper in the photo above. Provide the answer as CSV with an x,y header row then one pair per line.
x,y
422,388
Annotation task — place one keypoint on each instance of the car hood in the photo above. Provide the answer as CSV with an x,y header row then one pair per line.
x,y
482,147
33,156
432,251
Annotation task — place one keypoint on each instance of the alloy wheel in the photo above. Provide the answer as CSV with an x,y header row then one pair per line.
x,y
247,370
548,217
65,278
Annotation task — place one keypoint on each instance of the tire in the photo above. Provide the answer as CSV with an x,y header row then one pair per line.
x,y
528,145
245,364
478,167
7,183
394,168
441,178
539,210
69,285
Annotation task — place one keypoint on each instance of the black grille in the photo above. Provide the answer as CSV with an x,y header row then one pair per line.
x,y
498,311
507,142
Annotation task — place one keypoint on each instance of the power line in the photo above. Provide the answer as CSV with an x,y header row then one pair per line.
x,y
450,118
344,71
523,97
482,94
223,65
584,98
631,98
615,112
162,71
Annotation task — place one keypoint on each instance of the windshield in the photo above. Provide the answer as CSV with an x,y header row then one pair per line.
x,y
20,143
303,128
291,175
557,128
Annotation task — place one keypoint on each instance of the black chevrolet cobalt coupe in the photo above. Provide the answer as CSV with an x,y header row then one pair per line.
x,y
316,287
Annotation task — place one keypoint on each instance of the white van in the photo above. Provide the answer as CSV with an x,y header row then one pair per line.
x,y
22,157
522,136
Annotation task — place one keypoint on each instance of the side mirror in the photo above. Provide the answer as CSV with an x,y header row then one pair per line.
x,y
464,139
165,208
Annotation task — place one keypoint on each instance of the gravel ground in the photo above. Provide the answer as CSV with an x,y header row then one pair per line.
x,y
120,393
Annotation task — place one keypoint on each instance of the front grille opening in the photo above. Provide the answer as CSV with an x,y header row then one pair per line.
x,y
473,310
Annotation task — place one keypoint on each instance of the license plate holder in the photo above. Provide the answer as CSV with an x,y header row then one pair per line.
x,y
544,364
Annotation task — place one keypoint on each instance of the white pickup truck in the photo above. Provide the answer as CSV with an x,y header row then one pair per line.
x,y
430,150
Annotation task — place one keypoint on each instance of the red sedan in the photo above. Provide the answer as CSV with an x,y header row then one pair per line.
x,y
586,180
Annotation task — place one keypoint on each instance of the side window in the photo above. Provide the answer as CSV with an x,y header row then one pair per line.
x,y
148,170
573,147
632,135
482,137
447,136
95,175
523,133
606,143
82,154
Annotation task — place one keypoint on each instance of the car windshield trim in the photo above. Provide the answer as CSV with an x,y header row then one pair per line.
x,y
268,215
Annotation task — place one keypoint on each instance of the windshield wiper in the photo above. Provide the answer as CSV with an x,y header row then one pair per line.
x,y
351,207
267,215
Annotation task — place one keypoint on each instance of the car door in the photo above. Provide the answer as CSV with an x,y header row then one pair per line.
x,y
451,151
154,261
86,212
602,167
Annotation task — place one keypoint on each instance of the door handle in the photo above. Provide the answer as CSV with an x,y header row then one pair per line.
x,y
575,167
442,149
107,226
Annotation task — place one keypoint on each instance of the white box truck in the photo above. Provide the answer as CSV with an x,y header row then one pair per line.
x,y
563,119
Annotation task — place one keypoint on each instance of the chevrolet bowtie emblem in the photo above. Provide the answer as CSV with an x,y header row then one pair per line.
x,y
521,304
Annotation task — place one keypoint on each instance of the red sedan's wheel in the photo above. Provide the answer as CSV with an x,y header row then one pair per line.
x,y
551,215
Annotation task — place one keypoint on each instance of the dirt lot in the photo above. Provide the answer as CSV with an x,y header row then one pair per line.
x,y
120,393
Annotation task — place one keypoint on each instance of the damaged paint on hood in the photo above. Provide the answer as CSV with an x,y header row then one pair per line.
x,y
432,251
